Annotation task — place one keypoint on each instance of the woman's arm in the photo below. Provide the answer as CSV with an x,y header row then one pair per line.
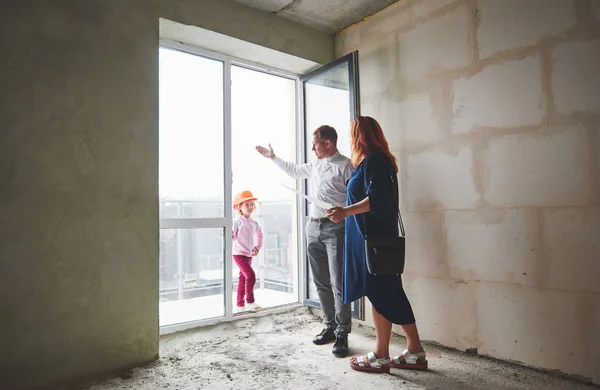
x,y
338,214
358,208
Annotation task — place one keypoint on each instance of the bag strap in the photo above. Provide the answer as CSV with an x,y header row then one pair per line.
x,y
394,180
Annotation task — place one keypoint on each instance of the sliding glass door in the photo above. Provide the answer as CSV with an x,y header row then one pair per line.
x,y
331,97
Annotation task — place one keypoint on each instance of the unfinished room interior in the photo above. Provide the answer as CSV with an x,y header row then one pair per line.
x,y
116,263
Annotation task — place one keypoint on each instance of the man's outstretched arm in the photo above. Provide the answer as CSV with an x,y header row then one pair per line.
x,y
296,171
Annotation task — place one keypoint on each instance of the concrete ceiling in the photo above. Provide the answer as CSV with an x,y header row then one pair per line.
x,y
327,15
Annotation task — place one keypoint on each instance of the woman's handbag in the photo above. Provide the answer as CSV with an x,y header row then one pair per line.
x,y
385,254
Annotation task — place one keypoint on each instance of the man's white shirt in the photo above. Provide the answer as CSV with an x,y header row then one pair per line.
x,y
328,178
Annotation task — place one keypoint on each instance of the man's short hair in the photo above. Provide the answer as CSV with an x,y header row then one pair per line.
x,y
326,132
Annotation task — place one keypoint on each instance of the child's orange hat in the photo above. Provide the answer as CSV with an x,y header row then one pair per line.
x,y
243,197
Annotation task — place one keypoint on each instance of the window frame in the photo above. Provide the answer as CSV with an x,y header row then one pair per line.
x,y
226,221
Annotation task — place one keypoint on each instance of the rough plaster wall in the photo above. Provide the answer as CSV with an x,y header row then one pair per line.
x,y
493,109
78,207
78,177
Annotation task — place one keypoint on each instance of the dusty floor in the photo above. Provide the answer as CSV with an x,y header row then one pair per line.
x,y
275,352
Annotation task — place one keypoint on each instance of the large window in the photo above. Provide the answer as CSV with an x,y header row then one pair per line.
x,y
214,110
212,114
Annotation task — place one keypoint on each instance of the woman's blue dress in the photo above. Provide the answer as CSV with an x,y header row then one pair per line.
x,y
374,177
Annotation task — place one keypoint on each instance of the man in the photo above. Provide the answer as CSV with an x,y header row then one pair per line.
x,y
325,239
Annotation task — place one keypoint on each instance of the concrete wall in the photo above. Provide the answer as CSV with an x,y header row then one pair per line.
x,y
493,109
78,175
239,21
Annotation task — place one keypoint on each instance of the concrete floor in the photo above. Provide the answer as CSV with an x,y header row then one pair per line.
x,y
275,352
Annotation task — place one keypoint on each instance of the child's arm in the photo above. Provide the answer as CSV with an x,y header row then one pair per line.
x,y
259,236
259,239
234,228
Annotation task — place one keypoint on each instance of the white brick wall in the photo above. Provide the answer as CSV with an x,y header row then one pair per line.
x,y
441,44
576,76
377,63
444,310
438,180
370,109
506,95
425,244
389,119
524,324
417,120
521,228
543,170
425,7
571,246
510,24
501,246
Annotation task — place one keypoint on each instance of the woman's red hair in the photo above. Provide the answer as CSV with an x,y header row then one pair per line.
x,y
367,137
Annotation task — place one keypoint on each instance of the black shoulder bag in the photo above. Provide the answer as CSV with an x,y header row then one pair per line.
x,y
385,254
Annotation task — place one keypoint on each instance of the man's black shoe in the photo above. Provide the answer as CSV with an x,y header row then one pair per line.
x,y
340,348
327,335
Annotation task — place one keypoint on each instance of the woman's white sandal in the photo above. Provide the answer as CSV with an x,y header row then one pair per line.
x,y
410,361
370,363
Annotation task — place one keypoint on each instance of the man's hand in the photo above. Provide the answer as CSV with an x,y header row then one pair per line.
x,y
268,153
255,251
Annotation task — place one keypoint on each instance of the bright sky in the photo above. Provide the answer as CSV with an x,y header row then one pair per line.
x,y
263,111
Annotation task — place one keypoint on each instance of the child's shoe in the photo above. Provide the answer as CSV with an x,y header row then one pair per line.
x,y
253,306
240,309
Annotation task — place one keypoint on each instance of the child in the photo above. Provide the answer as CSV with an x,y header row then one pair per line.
x,y
247,241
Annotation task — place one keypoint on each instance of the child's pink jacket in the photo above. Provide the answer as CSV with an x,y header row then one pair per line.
x,y
245,230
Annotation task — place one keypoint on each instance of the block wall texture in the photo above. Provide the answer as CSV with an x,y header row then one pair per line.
x,y
492,108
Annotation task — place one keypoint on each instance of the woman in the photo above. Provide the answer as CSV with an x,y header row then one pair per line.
x,y
373,208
